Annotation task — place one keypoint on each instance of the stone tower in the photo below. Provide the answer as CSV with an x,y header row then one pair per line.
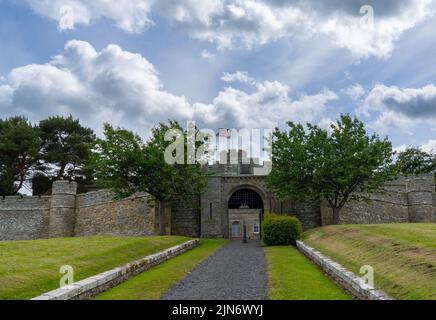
x,y
420,198
63,209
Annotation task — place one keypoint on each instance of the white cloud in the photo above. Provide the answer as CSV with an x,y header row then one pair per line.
x,y
5,94
401,148
129,15
378,39
124,89
413,102
239,76
111,85
252,23
206,55
267,107
400,108
429,147
389,120
326,124
355,92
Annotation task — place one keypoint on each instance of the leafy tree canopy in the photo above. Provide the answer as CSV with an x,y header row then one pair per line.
x,y
127,165
19,147
66,147
416,161
334,166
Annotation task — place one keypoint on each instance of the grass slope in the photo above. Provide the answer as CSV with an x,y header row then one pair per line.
x,y
154,283
402,255
30,268
293,277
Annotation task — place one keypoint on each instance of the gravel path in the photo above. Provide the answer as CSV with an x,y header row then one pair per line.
x,y
236,272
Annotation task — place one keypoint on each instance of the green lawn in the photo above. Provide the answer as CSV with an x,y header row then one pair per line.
x,y
293,277
154,283
403,255
30,268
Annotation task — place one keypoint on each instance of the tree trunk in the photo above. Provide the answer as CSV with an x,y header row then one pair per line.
x,y
162,229
61,172
20,185
336,212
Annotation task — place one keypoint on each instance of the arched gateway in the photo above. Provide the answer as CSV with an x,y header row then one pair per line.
x,y
246,209
237,195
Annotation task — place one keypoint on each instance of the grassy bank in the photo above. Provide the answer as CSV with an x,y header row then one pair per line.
x,y
293,277
154,283
30,268
402,255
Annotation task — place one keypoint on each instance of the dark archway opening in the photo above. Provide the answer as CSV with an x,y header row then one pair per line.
x,y
246,211
245,199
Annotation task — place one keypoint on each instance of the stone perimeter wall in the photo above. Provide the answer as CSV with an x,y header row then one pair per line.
x,y
98,214
408,199
66,214
24,218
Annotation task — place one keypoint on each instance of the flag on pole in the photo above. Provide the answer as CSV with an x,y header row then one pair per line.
x,y
225,133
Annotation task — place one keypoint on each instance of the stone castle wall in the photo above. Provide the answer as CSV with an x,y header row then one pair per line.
x,y
97,213
185,217
434,205
24,218
408,199
66,214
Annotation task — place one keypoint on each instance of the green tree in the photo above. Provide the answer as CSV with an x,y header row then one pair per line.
x,y
126,165
19,147
66,147
416,161
314,164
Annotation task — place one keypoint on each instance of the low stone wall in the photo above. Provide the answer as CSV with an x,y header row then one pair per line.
x,y
24,218
93,286
353,284
98,214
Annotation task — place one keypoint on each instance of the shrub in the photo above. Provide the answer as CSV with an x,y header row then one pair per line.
x,y
280,230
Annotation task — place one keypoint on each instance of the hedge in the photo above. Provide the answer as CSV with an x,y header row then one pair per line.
x,y
279,230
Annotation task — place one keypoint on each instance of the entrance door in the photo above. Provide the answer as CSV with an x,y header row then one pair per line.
x,y
236,230
245,207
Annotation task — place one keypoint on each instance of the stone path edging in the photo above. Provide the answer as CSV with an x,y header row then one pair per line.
x,y
92,286
346,279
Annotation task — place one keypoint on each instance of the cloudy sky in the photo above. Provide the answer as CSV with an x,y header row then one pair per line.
x,y
223,63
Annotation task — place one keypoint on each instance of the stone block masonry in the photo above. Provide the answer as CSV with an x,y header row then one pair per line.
x,y
408,199
24,218
353,284
62,209
97,213
95,285
66,214
185,217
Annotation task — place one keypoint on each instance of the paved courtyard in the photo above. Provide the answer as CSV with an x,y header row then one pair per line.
x,y
236,272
